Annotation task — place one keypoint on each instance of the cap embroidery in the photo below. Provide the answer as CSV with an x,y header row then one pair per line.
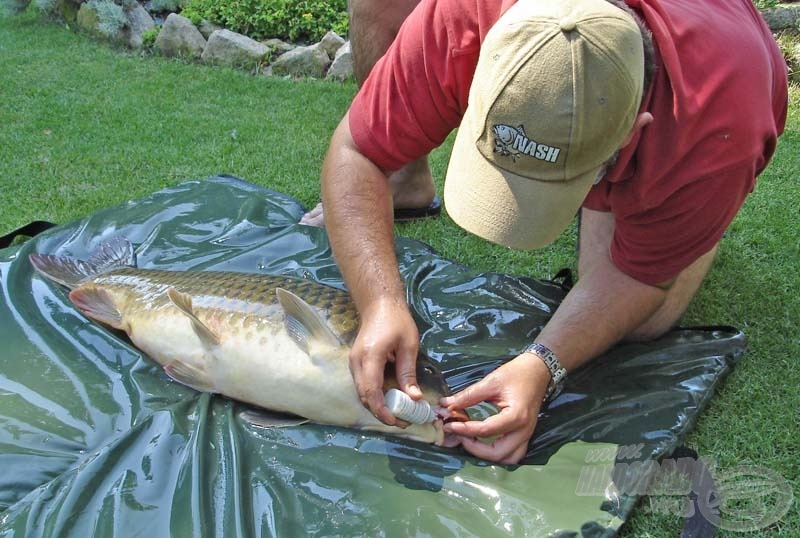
x,y
512,142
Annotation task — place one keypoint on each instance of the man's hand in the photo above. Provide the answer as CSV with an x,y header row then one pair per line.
x,y
387,333
517,388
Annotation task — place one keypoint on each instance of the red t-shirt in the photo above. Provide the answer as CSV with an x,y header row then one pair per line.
x,y
718,98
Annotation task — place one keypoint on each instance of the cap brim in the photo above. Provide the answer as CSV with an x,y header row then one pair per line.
x,y
505,208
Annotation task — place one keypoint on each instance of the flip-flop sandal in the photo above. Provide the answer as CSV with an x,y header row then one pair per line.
x,y
415,213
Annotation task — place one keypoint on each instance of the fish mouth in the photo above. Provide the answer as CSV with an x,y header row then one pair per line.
x,y
450,414
443,416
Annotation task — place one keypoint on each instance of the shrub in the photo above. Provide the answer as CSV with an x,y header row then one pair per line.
x,y
149,37
286,19
789,43
161,6
766,4
110,16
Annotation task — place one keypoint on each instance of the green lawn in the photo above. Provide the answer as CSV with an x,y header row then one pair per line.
x,y
84,127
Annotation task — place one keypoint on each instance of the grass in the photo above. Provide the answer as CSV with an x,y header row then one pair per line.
x,y
84,127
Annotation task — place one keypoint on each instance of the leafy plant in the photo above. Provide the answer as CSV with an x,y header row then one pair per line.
x,y
162,6
110,16
149,37
286,19
789,43
766,4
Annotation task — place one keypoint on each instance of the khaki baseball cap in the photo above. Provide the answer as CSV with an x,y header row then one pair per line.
x,y
556,91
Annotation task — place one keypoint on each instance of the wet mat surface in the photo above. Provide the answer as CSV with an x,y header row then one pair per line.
x,y
96,440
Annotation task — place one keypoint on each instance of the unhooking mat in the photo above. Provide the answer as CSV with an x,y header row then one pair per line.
x,y
95,440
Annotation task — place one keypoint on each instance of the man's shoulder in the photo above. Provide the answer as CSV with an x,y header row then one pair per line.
x,y
466,22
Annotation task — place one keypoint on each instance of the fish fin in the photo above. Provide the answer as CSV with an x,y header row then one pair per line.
x,y
272,419
70,272
112,254
184,303
303,324
97,304
189,375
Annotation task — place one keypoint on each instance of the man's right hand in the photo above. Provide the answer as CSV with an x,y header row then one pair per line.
x,y
387,334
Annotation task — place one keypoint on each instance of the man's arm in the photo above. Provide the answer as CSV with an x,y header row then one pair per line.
x,y
359,220
604,306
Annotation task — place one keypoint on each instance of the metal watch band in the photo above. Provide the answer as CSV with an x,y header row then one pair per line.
x,y
557,371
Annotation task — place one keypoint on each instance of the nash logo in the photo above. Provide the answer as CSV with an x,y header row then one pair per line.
x,y
513,142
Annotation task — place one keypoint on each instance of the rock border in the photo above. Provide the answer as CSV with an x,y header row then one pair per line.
x,y
330,58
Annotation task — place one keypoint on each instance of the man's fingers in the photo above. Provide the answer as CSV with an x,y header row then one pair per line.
x,y
371,391
405,367
494,425
508,449
471,395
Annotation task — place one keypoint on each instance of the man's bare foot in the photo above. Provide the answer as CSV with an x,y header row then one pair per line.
x,y
412,187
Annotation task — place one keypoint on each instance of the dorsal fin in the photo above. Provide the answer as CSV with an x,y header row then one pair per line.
x,y
183,302
112,254
303,324
70,272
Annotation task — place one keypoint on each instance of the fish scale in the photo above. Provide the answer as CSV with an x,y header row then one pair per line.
x,y
251,293
278,342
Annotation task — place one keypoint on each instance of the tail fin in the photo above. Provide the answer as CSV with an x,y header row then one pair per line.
x,y
70,272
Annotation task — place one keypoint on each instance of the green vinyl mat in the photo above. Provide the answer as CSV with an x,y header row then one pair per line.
x,y
96,440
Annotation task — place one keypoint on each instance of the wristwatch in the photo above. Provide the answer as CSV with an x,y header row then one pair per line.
x,y
557,372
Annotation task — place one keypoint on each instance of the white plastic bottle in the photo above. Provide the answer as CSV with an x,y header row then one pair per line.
x,y
403,407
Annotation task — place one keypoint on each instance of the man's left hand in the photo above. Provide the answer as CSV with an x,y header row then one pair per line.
x,y
517,388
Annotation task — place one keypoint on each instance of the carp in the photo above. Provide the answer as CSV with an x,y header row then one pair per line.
x,y
277,342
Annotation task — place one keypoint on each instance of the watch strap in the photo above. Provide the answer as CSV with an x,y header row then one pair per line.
x,y
557,372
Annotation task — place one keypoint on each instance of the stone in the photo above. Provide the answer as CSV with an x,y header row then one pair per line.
x,y
234,50
109,21
179,37
342,67
330,43
311,61
139,21
88,20
276,48
207,28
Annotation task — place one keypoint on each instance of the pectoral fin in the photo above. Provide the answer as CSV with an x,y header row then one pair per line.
x,y
272,419
189,375
183,302
303,324
97,303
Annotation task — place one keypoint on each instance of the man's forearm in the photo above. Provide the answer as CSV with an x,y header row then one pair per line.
x,y
604,307
358,216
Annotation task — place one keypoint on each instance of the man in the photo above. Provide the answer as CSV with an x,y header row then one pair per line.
x,y
555,113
